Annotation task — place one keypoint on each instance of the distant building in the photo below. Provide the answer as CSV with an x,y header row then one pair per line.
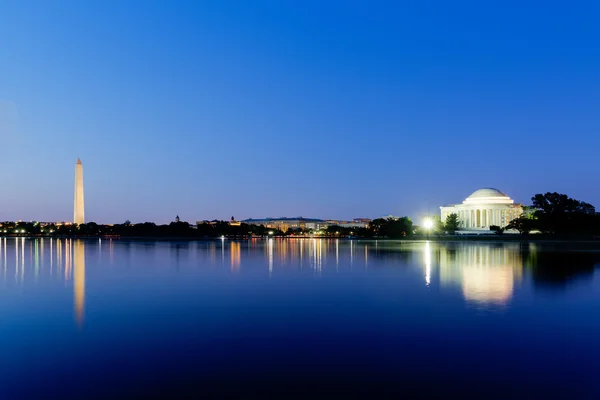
x,y
205,221
484,208
356,223
283,224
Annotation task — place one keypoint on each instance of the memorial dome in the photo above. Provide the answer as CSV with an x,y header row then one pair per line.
x,y
488,196
486,192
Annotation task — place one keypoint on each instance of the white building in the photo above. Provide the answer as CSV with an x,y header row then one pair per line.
x,y
484,208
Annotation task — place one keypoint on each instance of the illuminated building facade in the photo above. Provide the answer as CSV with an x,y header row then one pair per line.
x,y
484,208
283,224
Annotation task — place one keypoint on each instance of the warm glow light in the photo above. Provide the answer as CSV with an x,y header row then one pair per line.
x,y
270,232
428,223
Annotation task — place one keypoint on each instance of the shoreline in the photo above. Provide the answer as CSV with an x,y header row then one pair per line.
x,y
431,238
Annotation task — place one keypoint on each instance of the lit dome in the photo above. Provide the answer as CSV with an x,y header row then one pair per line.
x,y
488,196
487,192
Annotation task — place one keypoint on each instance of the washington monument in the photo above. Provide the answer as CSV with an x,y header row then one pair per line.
x,y
78,212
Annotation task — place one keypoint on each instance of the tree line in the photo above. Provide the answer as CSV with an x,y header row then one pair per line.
x,y
382,227
551,214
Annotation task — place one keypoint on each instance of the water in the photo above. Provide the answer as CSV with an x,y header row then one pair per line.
x,y
319,318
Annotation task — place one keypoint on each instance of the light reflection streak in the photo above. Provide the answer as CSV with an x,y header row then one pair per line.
x,y
427,263
351,254
22,259
58,255
16,259
5,263
320,260
270,252
223,251
42,253
235,256
68,263
337,255
301,243
37,259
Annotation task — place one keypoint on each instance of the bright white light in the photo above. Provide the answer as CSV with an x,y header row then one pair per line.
x,y
271,232
222,237
428,223
22,230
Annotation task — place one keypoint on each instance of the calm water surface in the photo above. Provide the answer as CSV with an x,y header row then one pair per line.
x,y
107,318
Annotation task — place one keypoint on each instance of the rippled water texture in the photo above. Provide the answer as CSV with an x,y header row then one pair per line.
x,y
101,318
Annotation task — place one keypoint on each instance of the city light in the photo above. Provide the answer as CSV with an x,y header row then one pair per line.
x,y
271,232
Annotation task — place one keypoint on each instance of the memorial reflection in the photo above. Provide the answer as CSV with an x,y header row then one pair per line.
x,y
486,273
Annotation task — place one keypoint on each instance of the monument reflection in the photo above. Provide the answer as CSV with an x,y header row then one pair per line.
x,y
486,273
79,280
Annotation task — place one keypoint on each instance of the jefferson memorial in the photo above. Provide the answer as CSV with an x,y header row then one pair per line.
x,y
484,208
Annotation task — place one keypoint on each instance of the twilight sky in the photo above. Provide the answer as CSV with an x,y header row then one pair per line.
x,y
315,108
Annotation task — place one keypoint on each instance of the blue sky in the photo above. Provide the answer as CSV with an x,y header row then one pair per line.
x,y
332,109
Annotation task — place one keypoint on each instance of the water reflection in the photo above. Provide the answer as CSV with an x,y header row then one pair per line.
x,y
79,284
486,273
554,266
235,256
34,260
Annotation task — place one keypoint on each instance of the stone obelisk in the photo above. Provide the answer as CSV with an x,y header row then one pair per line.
x,y
78,212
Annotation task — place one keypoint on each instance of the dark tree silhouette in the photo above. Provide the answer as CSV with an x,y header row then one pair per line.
x,y
452,223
